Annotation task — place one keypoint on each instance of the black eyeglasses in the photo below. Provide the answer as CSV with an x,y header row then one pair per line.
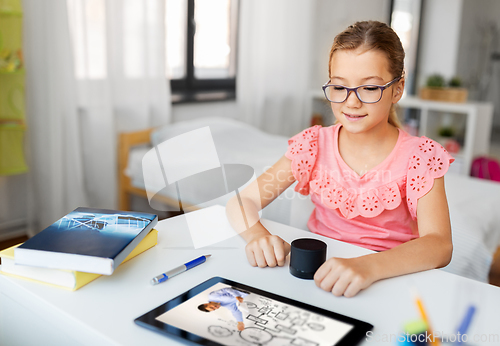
x,y
365,93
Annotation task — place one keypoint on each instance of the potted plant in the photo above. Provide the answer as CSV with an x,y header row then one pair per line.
x,y
446,137
438,90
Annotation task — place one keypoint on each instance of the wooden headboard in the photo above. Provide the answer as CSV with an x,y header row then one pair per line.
x,y
126,141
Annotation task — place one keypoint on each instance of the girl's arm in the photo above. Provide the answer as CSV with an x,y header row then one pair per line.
x,y
433,249
263,249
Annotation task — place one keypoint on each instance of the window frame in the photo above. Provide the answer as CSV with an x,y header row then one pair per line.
x,y
411,80
190,89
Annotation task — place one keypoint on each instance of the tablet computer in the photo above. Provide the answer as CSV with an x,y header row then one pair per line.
x,y
223,312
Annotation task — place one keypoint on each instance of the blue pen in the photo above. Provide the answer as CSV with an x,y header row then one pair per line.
x,y
180,269
464,325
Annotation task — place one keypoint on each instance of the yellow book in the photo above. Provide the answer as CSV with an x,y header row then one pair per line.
x,y
68,279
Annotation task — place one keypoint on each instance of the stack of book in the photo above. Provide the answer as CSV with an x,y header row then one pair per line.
x,y
81,246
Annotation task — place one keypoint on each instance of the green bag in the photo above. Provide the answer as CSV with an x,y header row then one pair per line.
x,y
11,149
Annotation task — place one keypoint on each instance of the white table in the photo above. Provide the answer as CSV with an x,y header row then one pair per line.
x,y
102,312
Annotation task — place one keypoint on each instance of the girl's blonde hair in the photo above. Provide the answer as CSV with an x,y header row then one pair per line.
x,y
374,35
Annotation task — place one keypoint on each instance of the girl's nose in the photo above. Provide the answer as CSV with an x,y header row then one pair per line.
x,y
353,100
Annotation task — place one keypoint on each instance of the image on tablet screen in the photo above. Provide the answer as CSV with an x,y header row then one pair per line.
x,y
232,316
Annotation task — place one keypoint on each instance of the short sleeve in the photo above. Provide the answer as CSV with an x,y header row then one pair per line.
x,y
428,161
303,151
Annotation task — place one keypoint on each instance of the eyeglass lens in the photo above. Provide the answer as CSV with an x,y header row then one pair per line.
x,y
367,93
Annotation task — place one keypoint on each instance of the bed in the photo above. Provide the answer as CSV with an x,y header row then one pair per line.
x,y
473,203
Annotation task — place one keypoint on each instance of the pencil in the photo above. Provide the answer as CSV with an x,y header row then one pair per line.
x,y
464,325
423,314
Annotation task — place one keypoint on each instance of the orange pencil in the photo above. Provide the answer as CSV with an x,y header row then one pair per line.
x,y
423,314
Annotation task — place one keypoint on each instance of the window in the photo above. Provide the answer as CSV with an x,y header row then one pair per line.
x,y
405,20
87,21
201,49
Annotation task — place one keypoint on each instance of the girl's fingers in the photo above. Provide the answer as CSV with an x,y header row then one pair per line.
x,y
353,289
280,251
329,280
341,285
322,271
255,256
250,257
280,255
270,256
342,277
287,248
269,251
260,258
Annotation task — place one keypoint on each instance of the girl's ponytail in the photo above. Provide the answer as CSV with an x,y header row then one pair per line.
x,y
393,117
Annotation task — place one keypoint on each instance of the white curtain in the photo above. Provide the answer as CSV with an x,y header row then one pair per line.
x,y
94,68
274,64
54,155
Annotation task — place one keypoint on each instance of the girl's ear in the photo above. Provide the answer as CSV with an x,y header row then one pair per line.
x,y
398,90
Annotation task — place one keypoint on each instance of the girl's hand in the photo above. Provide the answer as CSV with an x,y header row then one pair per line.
x,y
267,250
345,276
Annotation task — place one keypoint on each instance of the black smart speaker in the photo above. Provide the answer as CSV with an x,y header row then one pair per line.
x,y
306,256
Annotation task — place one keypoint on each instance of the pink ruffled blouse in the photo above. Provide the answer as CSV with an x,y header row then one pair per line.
x,y
377,210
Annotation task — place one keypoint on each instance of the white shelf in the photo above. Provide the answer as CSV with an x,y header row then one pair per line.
x,y
479,116
439,106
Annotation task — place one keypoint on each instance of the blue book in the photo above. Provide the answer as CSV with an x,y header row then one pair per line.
x,y
87,240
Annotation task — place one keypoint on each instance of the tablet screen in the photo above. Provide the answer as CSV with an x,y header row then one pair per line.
x,y
229,313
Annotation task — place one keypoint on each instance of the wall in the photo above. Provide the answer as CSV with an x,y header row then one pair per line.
x,y
189,111
479,38
13,205
332,17
440,38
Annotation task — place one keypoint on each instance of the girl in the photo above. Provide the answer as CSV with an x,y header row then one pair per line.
x,y
373,185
